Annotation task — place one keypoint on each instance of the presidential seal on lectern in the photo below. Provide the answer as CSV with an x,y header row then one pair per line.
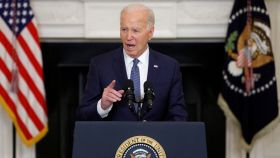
x,y
140,147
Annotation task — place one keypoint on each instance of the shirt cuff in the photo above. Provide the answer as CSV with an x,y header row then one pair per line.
x,y
101,112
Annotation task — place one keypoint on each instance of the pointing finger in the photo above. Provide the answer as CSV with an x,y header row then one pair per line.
x,y
112,84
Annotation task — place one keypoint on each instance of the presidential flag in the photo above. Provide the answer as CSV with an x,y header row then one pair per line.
x,y
249,94
22,92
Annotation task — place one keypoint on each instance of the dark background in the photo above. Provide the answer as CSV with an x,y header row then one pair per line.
x,y
65,70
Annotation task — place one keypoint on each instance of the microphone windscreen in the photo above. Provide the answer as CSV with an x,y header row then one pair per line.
x,y
148,85
129,83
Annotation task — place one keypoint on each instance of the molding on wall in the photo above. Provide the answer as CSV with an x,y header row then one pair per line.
x,y
99,19
59,19
203,19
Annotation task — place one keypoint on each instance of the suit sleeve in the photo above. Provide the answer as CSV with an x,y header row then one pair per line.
x,y
87,110
177,109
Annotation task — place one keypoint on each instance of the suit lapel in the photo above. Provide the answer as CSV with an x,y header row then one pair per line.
x,y
119,67
153,68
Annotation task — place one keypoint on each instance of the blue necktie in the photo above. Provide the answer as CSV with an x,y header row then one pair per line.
x,y
135,77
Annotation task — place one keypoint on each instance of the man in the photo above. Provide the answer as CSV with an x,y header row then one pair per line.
x,y
108,73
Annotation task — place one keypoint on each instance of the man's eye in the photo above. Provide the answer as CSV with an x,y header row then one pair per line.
x,y
136,31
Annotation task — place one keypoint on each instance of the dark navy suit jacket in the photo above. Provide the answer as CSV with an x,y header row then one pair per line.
x,y
163,73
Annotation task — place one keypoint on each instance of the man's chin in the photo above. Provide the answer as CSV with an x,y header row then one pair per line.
x,y
131,53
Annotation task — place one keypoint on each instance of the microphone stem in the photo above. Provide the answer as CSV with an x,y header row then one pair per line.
x,y
139,111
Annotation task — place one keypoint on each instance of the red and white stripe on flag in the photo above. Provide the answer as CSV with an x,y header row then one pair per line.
x,y
20,54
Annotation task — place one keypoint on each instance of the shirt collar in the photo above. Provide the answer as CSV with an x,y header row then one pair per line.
x,y
143,58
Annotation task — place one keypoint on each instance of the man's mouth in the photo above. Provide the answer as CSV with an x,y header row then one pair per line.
x,y
130,45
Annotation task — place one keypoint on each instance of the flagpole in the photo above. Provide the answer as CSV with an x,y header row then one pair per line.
x,y
249,23
247,155
14,142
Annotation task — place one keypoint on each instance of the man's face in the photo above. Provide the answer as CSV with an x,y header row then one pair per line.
x,y
134,32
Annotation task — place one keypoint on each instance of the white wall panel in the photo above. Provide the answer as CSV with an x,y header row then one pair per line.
x,y
203,19
6,134
59,19
102,19
99,19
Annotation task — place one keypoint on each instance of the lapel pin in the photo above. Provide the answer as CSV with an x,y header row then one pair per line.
x,y
155,66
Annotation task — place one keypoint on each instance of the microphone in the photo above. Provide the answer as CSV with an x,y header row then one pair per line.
x,y
149,94
129,93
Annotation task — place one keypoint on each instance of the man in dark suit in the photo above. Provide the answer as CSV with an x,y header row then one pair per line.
x,y
108,73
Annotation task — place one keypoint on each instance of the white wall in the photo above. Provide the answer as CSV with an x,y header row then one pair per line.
x,y
95,19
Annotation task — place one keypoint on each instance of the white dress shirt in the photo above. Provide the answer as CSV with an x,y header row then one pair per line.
x,y
143,70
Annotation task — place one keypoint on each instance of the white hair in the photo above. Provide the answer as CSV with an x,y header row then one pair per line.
x,y
138,6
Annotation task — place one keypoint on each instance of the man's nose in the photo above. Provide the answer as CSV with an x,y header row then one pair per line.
x,y
129,35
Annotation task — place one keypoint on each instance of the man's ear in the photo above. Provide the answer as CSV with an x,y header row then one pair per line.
x,y
151,32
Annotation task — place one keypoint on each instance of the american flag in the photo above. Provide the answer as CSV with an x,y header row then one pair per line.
x,y
22,91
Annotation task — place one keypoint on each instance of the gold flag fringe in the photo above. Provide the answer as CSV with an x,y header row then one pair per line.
x,y
228,113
